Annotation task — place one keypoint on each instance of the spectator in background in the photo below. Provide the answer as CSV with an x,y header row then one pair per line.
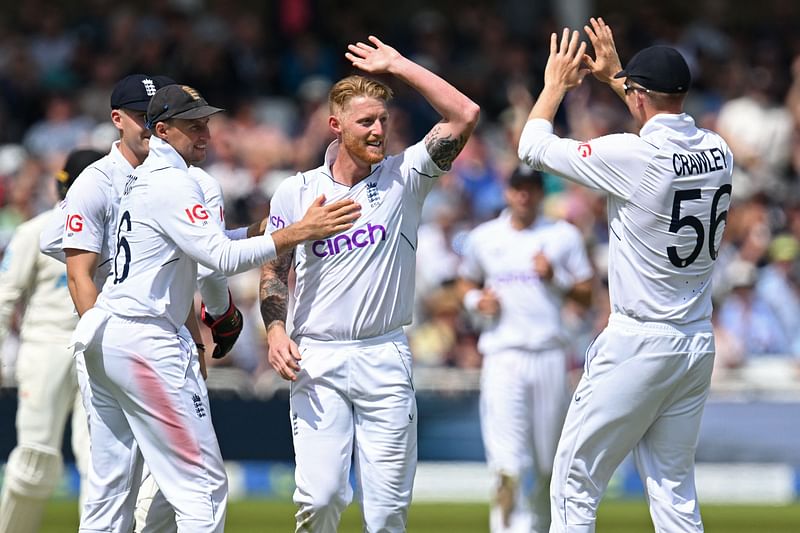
x,y
779,286
749,317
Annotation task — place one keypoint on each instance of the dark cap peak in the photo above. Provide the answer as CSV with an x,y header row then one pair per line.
x,y
658,68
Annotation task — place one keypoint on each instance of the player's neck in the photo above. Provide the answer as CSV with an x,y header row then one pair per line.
x,y
349,170
129,155
519,222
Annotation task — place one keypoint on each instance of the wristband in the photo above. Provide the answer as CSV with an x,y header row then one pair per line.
x,y
471,299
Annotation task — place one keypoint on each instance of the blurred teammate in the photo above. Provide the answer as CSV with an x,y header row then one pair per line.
x,y
47,385
647,374
517,270
352,394
146,392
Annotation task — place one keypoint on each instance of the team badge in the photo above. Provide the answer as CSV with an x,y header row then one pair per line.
x,y
373,197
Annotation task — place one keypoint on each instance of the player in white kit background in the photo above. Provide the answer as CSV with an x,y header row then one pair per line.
x,y
352,393
516,272
146,391
47,386
647,375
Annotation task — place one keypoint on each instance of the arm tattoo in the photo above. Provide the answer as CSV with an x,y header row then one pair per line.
x,y
443,150
274,289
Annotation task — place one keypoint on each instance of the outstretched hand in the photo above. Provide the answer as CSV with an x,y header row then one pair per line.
x,y
322,220
606,61
375,59
563,70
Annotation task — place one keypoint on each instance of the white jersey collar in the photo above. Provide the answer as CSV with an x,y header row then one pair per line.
x,y
679,122
330,156
119,159
160,149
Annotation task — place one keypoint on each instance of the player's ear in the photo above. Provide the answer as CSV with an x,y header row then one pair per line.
x,y
335,125
116,118
160,130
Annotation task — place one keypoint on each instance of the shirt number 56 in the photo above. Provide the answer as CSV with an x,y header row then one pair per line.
x,y
692,221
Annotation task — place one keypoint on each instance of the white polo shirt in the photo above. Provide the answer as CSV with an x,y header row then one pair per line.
x,y
358,284
163,230
669,191
500,257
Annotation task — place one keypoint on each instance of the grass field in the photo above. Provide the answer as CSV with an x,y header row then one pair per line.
x,y
264,516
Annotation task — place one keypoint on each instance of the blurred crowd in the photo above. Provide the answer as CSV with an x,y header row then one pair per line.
x,y
271,66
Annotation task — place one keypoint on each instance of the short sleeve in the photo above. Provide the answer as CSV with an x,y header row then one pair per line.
x,y
284,208
418,169
87,212
470,267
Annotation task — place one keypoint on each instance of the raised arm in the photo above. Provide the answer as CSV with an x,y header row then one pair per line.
x,y
562,73
459,113
605,65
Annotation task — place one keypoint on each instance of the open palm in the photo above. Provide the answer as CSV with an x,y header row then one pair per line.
x,y
374,59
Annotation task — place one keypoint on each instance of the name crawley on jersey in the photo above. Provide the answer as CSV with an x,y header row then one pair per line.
x,y
699,162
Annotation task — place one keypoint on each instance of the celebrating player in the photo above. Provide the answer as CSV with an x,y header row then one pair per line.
x,y
647,375
352,393
47,385
517,271
145,388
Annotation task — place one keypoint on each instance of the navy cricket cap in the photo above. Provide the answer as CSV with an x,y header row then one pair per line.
x,y
525,175
658,68
178,101
77,160
134,91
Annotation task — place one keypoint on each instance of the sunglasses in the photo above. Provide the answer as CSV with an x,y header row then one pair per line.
x,y
628,88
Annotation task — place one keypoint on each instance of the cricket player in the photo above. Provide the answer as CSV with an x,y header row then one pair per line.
x,y
516,273
47,385
647,374
147,397
86,228
352,393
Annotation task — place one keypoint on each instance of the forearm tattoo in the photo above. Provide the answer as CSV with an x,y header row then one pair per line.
x,y
444,150
274,289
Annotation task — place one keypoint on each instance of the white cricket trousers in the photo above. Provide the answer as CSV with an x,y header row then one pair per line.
x,y
354,402
524,399
145,399
644,388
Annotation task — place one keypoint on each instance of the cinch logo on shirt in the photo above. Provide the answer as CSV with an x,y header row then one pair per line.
x,y
348,241
198,212
75,223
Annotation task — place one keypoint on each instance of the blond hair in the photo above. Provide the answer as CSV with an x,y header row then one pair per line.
x,y
353,86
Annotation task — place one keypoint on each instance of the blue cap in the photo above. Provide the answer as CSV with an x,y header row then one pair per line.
x,y
134,91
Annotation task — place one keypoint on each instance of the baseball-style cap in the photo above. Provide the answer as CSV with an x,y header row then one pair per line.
x,y
76,162
134,91
178,101
659,68
525,175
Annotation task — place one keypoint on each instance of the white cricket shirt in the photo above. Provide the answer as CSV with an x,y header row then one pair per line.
x,y
501,258
163,230
669,189
358,284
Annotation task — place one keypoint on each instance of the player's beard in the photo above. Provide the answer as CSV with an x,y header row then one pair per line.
x,y
359,149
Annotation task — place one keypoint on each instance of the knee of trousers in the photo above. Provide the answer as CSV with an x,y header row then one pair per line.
x,y
33,470
322,501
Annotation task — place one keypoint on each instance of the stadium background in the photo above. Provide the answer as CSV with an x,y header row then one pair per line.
x,y
271,63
